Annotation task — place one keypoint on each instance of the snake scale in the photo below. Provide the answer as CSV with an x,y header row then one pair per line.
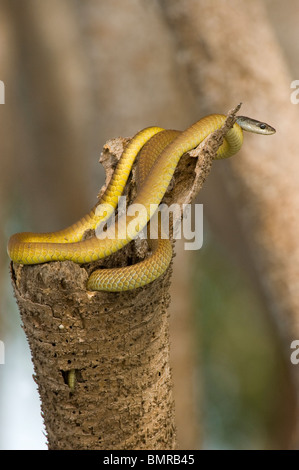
x,y
159,153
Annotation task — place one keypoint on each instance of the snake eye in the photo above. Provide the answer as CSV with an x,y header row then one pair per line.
x,y
262,125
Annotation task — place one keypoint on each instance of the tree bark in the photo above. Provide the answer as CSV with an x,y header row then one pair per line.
x,y
73,87
118,346
114,346
183,352
225,64
137,84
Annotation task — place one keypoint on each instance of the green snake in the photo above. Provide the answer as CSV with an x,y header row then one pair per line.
x,y
159,153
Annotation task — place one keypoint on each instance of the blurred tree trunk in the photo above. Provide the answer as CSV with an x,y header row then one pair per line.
x,y
44,139
74,88
56,105
285,23
231,54
81,78
9,124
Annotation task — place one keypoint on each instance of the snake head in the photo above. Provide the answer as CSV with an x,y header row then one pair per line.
x,y
252,125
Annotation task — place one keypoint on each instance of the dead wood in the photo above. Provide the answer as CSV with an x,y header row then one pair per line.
x,y
115,344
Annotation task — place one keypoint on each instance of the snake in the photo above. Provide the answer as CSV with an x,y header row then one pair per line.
x,y
159,152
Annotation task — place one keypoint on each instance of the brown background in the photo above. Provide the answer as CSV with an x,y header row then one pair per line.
x,y
79,73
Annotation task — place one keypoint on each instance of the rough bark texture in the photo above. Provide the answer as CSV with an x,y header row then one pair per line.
x,y
69,88
117,343
118,346
183,352
219,43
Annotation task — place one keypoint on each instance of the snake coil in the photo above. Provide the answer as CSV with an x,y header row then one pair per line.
x,y
160,151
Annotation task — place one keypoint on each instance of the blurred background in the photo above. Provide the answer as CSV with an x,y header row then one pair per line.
x,y
78,73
